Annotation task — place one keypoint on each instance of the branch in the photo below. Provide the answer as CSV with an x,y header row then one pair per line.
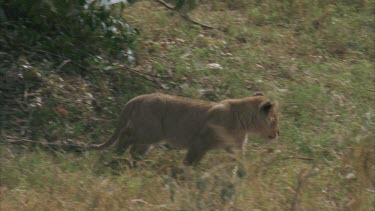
x,y
66,59
303,177
335,84
147,76
142,75
297,157
186,17
54,146
165,4
136,71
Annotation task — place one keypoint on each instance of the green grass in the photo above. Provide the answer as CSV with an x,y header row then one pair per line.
x,y
315,58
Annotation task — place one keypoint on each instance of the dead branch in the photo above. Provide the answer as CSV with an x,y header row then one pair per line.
x,y
337,85
303,177
50,145
67,60
144,76
149,74
165,4
57,55
296,157
278,159
136,71
186,17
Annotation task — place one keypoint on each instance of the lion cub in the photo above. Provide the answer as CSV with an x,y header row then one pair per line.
x,y
195,125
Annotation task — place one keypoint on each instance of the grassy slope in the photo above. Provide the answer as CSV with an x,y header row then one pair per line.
x,y
315,59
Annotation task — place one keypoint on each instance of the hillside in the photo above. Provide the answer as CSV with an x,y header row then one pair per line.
x,y
315,58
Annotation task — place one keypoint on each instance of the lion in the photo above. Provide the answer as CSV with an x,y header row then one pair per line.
x,y
195,125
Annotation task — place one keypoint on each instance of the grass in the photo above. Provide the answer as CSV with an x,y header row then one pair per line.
x,y
315,58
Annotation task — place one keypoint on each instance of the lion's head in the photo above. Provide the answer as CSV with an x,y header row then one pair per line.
x,y
267,118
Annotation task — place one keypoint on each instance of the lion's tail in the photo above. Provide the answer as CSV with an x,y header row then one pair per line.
x,y
124,118
106,144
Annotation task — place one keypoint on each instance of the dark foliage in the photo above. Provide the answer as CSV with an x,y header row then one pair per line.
x,y
71,28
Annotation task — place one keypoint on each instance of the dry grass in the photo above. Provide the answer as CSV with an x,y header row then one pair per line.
x,y
315,58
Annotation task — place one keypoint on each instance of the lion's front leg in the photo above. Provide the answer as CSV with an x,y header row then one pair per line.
x,y
203,141
230,150
243,145
195,154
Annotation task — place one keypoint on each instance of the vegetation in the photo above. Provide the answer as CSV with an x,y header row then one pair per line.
x,y
314,57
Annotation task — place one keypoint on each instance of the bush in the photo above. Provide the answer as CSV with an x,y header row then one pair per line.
x,y
71,28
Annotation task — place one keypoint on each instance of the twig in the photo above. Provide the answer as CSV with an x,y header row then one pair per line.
x,y
149,74
297,157
335,84
277,159
56,55
239,162
63,57
303,177
141,201
213,170
139,72
62,65
63,146
186,17
165,4
68,60
144,75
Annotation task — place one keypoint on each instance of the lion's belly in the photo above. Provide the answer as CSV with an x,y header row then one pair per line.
x,y
178,140
176,143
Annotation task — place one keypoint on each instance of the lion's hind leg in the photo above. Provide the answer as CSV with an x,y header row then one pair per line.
x,y
138,151
195,154
126,139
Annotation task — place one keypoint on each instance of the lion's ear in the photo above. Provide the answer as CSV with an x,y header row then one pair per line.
x,y
266,106
258,94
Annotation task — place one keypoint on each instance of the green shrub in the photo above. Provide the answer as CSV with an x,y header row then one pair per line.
x,y
70,28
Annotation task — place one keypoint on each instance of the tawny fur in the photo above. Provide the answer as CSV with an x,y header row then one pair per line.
x,y
192,124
